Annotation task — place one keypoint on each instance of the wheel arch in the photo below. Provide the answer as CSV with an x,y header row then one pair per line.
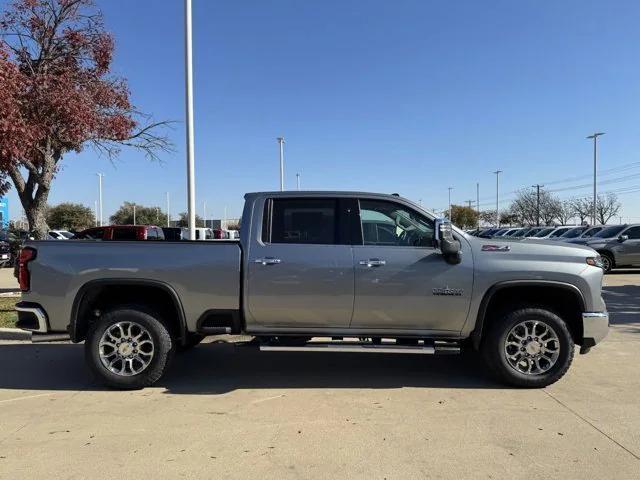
x,y
498,292
92,291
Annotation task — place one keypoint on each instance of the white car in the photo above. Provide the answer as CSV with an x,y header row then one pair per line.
x,y
550,233
60,234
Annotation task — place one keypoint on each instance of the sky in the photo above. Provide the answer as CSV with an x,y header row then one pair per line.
x,y
409,96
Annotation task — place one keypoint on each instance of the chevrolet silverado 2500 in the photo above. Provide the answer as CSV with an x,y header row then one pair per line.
x,y
323,272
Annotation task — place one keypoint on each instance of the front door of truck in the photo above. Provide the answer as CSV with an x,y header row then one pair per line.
x,y
401,280
300,273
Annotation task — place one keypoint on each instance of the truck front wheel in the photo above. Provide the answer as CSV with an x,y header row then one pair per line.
x,y
529,347
128,348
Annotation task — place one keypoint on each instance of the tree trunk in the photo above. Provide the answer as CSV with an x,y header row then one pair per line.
x,y
34,192
36,216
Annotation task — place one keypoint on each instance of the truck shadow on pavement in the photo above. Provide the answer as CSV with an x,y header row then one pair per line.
x,y
215,368
220,367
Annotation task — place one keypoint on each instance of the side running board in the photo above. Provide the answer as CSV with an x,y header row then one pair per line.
x,y
426,348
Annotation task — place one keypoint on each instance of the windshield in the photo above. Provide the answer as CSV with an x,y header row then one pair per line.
x,y
521,233
543,233
573,232
559,232
591,232
610,231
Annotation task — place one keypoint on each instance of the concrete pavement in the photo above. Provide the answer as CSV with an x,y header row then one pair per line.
x,y
228,411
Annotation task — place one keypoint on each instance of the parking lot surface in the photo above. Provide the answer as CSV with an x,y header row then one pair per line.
x,y
228,411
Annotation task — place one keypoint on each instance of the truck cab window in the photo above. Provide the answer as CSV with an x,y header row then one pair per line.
x,y
308,221
391,224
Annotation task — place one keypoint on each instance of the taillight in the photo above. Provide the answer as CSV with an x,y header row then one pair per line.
x,y
24,278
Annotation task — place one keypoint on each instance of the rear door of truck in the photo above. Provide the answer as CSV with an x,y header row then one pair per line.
x,y
300,263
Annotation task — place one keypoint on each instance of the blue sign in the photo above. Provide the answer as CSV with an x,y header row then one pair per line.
x,y
4,212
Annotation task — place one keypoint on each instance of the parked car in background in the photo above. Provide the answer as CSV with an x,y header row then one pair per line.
x,y
5,249
607,232
60,234
572,232
121,232
618,245
172,234
533,231
202,233
553,234
586,235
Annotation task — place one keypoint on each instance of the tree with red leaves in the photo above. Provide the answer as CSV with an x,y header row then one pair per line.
x,y
57,96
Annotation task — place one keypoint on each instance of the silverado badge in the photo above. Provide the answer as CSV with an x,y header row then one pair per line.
x,y
455,292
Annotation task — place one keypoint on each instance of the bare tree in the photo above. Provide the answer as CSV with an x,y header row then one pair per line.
x,y
530,209
582,208
607,207
565,211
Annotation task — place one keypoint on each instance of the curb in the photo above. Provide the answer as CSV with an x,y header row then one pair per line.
x,y
14,334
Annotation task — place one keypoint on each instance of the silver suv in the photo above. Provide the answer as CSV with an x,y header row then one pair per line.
x,y
619,245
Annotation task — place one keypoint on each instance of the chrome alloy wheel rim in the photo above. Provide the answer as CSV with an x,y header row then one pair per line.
x,y
532,347
126,348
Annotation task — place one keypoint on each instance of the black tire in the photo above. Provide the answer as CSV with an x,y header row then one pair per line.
x,y
162,343
493,348
608,262
191,341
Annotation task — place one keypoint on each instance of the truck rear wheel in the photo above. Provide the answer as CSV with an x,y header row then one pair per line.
x,y
128,348
529,347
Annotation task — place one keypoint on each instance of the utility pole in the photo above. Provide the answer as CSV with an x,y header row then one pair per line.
x,y
537,187
191,178
469,202
281,143
595,171
134,213
100,175
168,212
450,188
298,181
478,201
497,174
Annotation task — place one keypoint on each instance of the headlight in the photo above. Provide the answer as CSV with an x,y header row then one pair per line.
x,y
595,261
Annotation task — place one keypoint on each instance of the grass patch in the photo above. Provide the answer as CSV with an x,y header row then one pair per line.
x,y
8,316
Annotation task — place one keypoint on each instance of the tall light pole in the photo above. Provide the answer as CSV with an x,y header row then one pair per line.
x,y
204,213
595,171
298,181
134,213
450,188
168,211
100,175
191,182
281,143
497,174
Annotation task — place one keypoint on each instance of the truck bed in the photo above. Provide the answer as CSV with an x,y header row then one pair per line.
x,y
205,273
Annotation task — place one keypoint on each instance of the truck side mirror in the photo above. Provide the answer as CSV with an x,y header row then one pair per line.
x,y
448,245
623,238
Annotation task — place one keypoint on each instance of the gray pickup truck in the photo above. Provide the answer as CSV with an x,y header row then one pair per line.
x,y
320,272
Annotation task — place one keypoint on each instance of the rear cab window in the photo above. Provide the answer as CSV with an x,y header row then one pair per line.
x,y
308,221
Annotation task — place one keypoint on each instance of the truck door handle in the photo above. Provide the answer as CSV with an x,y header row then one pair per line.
x,y
373,262
267,261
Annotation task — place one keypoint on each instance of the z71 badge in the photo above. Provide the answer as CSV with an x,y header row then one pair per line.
x,y
455,292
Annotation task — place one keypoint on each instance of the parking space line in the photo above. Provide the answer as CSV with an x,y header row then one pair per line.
x,y
25,398
592,425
